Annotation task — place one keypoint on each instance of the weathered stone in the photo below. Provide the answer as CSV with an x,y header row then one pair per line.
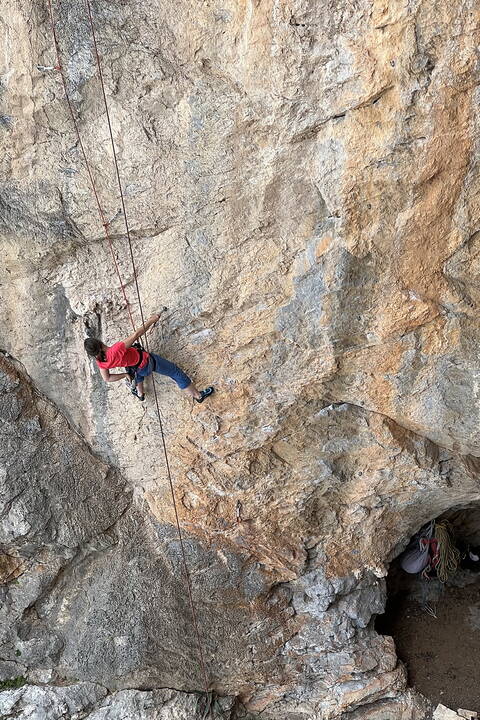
x,y
77,610
442,712
302,186
158,705
467,714
11,670
52,703
91,702
408,706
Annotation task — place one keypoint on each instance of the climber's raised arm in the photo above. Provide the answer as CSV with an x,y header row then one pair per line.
x,y
138,333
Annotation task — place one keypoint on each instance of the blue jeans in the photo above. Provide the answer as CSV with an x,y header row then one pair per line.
x,y
163,367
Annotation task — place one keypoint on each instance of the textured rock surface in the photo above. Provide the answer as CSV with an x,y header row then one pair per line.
x,y
94,588
86,700
302,185
444,713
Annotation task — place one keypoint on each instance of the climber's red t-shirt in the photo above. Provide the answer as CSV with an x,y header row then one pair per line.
x,y
119,356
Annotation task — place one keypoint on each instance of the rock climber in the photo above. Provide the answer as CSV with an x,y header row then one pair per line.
x,y
139,364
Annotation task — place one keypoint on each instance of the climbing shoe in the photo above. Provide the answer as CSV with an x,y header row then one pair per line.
x,y
205,393
140,397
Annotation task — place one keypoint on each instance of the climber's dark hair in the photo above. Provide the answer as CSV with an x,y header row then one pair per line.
x,y
94,348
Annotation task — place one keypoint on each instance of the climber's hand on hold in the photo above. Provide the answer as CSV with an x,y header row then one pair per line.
x,y
157,315
141,331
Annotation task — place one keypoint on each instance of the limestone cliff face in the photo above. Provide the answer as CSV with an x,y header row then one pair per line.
x,y
301,181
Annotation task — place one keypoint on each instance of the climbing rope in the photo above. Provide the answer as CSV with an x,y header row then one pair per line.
x,y
101,213
449,555
105,224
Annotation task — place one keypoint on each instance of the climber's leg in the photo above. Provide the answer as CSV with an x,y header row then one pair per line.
x,y
165,367
198,395
192,391
204,394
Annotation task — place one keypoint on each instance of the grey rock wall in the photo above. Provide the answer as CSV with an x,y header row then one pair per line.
x,y
94,590
301,180
92,702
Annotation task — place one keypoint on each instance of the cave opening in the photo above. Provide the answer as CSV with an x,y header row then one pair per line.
x,y
435,624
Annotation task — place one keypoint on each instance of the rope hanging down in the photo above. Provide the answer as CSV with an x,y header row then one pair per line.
x,y
105,225
103,219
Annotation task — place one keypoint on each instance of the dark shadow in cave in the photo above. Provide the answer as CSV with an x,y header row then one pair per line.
x,y
436,626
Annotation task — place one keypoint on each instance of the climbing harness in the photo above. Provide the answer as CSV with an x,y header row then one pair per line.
x,y
132,369
105,224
